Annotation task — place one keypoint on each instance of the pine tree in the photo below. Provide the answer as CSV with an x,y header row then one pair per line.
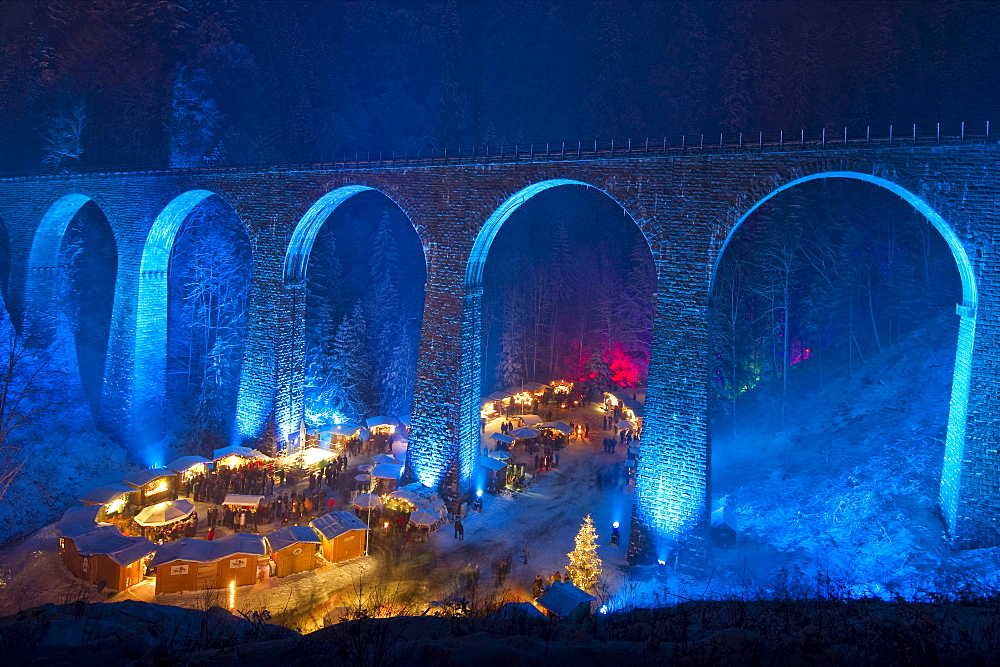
x,y
584,565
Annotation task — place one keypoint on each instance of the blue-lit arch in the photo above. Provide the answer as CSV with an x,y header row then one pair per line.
x,y
149,377
489,230
299,248
951,472
43,261
42,286
290,408
431,469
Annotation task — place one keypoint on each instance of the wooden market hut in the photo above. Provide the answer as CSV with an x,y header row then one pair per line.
x,y
381,425
488,470
388,475
154,485
186,467
76,521
724,533
113,499
564,600
193,565
235,456
107,558
293,549
342,535
341,434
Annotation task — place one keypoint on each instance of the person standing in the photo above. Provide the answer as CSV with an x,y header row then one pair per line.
x,y
536,588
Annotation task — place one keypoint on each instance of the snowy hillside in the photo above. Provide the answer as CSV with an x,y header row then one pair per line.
x,y
843,502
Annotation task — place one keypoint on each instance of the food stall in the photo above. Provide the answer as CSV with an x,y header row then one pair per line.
x,y
154,485
187,468
116,500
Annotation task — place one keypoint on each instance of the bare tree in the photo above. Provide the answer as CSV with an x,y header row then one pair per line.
x,y
64,135
24,373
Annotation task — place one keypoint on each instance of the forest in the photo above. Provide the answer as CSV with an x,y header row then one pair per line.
x,y
568,295
820,278
364,303
139,84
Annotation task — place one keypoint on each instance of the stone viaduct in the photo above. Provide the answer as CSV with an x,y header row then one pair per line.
x,y
686,204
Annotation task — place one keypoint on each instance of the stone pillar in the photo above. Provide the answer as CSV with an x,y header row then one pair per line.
x,y
265,319
437,418
289,352
671,505
970,480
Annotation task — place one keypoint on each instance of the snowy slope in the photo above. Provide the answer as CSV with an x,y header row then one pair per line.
x,y
843,502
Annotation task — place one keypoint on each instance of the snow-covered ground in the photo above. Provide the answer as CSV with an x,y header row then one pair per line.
x,y
841,503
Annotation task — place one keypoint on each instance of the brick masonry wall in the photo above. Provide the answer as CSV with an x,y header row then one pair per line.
x,y
686,206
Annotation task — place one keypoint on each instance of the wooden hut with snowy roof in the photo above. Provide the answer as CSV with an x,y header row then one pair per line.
x,y
293,549
154,485
106,557
193,565
564,600
724,532
75,522
342,535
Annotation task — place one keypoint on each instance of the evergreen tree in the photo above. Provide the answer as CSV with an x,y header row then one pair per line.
x,y
584,567
597,371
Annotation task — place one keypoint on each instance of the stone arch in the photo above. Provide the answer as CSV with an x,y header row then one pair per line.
x,y
43,260
489,230
290,407
41,287
439,458
150,348
955,440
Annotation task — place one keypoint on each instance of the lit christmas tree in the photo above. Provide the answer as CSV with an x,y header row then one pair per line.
x,y
584,565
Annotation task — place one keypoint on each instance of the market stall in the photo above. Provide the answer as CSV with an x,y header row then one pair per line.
x,y
167,516
116,500
490,477
293,549
193,565
387,476
187,469
367,501
530,420
343,434
343,535
425,519
106,557
235,456
154,485
564,600
76,521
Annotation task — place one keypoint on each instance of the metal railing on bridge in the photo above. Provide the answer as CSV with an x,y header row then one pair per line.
x,y
825,138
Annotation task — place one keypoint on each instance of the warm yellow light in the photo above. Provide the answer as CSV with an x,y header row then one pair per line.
x,y
232,461
159,487
232,595
115,506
